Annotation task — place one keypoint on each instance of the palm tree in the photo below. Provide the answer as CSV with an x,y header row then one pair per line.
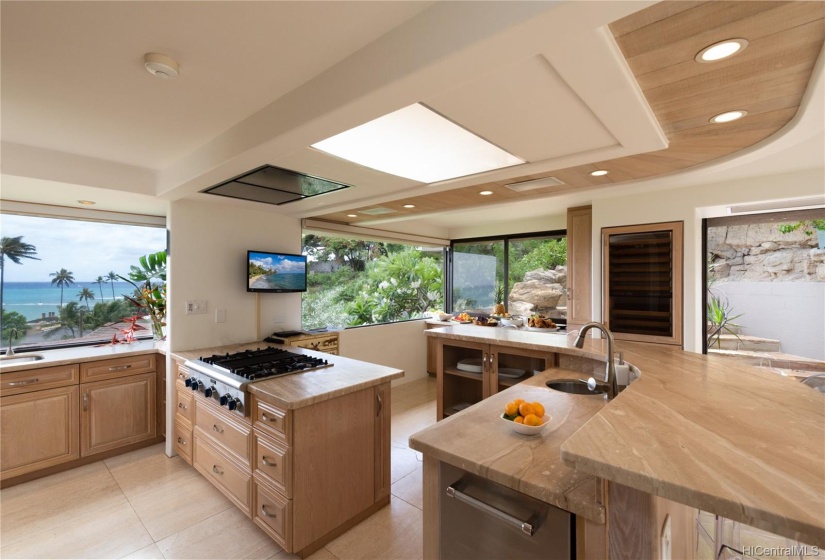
x,y
100,281
111,277
62,278
14,249
86,294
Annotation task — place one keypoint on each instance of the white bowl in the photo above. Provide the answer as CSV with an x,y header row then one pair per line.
x,y
444,316
528,430
512,321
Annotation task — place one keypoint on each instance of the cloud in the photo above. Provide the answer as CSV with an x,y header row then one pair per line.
x,y
287,266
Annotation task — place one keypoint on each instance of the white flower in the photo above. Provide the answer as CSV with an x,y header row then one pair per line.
x,y
415,284
394,281
383,285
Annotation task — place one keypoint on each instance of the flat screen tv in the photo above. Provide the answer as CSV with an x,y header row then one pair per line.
x,y
276,272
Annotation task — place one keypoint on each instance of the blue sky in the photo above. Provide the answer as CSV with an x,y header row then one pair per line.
x,y
282,264
87,249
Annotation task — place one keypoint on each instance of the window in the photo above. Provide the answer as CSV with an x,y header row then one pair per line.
x,y
526,273
355,282
59,282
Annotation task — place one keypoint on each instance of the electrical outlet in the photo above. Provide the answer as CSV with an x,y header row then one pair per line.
x,y
220,315
196,307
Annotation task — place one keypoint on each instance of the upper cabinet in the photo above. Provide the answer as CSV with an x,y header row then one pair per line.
x,y
579,265
643,282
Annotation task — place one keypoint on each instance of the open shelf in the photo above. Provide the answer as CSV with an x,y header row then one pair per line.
x,y
462,373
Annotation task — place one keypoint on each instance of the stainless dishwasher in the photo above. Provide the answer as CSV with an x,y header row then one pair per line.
x,y
483,520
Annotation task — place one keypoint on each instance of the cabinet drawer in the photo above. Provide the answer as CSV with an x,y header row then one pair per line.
x,y
212,424
273,514
273,461
119,367
183,403
224,473
183,438
16,382
272,420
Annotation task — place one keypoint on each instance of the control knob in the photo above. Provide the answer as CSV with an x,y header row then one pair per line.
x,y
196,385
224,400
233,404
211,392
190,380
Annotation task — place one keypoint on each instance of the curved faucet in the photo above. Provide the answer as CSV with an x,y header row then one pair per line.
x,y
611,367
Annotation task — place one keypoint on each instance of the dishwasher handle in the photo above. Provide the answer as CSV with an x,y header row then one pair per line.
x,y
523,526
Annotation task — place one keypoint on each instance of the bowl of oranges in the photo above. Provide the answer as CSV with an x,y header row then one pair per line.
x,y
524,417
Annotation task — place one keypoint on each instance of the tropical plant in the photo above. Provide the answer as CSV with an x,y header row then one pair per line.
x,y
13,321
149,296
720,318
15,249
111,277
85,295
809,225
107,312
100,280
62,278
68,317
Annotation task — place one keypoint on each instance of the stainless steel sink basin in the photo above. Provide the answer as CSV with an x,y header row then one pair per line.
x,y
576,387
20,359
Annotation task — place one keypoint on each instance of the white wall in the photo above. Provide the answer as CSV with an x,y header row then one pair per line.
x,y
398,345
207,261
690,205
791,312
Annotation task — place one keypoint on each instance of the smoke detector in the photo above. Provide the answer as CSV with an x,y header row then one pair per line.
x,y
161,66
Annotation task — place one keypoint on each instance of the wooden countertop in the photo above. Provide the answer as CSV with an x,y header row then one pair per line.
x,y
303,389
478,441
705,431
62,356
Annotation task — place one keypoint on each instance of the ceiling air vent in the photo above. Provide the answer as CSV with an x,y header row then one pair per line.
x,y
534,184
377,211
274,185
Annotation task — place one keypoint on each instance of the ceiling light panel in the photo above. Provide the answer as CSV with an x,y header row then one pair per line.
x,y
721,50
730,116
419,144
534,184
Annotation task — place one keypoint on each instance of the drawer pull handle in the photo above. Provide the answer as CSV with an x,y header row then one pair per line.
x,y
181,405
267,418
181,441
120,368
24,382
524,526
268,463
216,470
266,513
215,428
85,400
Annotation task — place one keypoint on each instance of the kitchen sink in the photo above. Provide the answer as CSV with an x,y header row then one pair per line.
x,y
20,359
576,387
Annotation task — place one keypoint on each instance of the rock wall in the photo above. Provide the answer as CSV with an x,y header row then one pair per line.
x,y
542,291
761,253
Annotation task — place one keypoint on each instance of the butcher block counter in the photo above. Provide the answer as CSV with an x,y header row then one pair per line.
x,y
703,431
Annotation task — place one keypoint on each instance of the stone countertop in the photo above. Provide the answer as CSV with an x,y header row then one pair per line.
x,y
62,356
298,390
479,441
705,431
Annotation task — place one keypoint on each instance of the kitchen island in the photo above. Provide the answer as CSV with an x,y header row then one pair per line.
x,y
306,458
697,430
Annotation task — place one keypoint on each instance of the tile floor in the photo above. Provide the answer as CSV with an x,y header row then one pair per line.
x,y
146,505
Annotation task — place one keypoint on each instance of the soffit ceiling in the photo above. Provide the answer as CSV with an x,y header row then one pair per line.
x,y
548,81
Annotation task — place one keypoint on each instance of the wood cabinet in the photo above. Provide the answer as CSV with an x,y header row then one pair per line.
x,y
117,412
39,429
496,368
579,266
643,282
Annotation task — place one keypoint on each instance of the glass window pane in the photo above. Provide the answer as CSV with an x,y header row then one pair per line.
x,y
538,277
478,276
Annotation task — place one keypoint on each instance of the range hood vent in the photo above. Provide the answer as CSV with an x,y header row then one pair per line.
x,y
534,184
378,211
274,185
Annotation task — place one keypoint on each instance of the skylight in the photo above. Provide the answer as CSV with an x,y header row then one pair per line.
x,y
419,144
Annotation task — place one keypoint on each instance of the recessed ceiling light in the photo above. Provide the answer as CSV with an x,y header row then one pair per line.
x,y
419,144
161,66
486,193
728,116
721,50
409,206
599,172
87,202
352,215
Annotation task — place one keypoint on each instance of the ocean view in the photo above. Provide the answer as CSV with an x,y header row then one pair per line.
x,y
32,299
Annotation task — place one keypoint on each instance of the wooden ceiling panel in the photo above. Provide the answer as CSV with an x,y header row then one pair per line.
x,y
768,80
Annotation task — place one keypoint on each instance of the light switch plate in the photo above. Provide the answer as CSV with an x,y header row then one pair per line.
x,y
220,315
196,307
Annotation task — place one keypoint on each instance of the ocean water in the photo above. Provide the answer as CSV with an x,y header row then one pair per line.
x,y
281,281
32,299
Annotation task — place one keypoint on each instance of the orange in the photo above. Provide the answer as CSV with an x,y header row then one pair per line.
x,y
538,409
511,409
525,408
519,419
518,401
532,420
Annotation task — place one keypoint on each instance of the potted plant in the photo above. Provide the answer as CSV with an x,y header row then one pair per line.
x,y
810,226
150,295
